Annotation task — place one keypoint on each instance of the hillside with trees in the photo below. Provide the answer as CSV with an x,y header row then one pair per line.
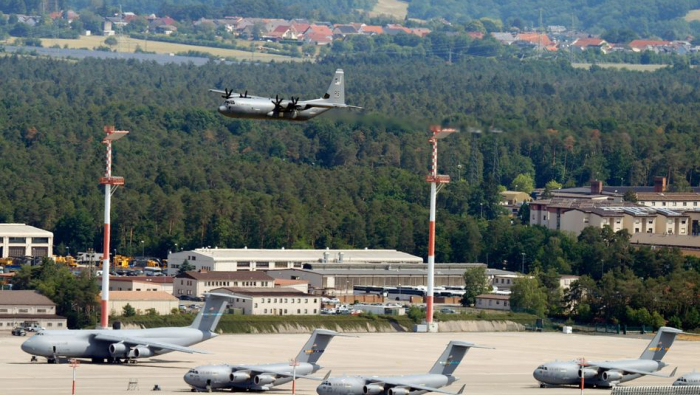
x,y
346,179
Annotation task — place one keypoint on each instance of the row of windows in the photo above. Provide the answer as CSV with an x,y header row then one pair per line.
x,y
675,204
23,240
284,311
283,300
48,324
235,283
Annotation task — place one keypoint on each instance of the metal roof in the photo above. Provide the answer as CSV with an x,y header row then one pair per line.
x,y
22,230
24,298
283,255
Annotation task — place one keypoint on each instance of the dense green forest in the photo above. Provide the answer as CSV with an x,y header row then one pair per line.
x,y
646,17
350,179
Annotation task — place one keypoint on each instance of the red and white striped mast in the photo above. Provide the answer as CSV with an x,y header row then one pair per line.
x,y
436,183
108,180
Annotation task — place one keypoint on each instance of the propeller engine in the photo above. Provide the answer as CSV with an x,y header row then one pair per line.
x,y
278,103
292,105
227,93
243,95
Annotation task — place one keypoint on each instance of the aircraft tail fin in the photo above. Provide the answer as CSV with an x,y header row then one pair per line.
x,y
316,345
209,316
336,91
661,343
451,357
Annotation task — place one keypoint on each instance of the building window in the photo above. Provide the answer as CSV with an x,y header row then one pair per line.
x,y
663,203
298,311
651,222
256,305
619,221
306,311
683,222
49,324
41,310
40,240
636,230
685,204
18,240
268,300
60,324
23,310
265,311
3,310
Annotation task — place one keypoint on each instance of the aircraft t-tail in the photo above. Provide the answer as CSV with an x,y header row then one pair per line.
x,y
416,384
128,344
261,377
241,105
609,373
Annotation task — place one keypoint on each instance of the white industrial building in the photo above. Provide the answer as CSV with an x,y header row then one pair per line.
x,y
20,240
272,301
198,283
244,259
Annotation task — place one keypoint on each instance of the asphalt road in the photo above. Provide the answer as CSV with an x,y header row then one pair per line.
x,y
505,370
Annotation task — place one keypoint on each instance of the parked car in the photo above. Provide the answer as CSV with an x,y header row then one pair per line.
x,y
446,310
19,332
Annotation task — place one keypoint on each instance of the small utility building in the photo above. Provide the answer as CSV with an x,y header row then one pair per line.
x,y
162,302
17,307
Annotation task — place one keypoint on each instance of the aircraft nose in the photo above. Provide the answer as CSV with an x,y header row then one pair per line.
x,y
222,109
31,346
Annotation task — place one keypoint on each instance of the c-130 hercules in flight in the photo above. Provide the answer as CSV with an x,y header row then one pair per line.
x,y
241,105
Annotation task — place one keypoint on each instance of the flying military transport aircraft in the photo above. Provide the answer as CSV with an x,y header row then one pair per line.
x,y
416,384
609,373
128,344
241,105
261,377
688,379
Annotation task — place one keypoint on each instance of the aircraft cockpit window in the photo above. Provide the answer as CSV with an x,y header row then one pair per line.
x,y
191,371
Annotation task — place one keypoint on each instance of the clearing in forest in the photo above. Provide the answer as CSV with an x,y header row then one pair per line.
x,y
397,9
693,15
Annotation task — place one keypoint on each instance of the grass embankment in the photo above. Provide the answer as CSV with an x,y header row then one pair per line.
x,y
273,324
231,323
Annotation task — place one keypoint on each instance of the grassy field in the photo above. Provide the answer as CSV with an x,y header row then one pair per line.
x,y
129,45
397,9
693,15
620,66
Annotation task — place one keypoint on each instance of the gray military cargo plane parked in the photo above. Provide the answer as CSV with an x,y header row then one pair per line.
x,y
439,376
241,105
688,379
128,344
261,377
609,373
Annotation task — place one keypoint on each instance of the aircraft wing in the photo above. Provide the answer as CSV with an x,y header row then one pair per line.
x,y
613,366
325,104
235,95
412,386
146,342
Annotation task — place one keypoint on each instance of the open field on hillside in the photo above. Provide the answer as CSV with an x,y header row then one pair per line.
x,y
693,15
129,45
397,9
620,66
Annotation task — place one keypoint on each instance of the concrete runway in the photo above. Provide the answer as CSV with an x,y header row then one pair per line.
x,y
505,370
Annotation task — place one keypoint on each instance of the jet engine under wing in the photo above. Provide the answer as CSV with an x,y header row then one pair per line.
x,y
412,386
147,342
613,366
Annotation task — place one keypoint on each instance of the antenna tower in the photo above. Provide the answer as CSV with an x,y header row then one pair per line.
x,y
436,181
108,180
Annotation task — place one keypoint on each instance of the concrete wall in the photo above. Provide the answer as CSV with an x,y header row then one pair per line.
x,y
7,324
479,326
163,307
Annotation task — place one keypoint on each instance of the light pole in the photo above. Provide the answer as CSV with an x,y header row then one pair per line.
x,y
481,215
175,247
143,249
522,265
